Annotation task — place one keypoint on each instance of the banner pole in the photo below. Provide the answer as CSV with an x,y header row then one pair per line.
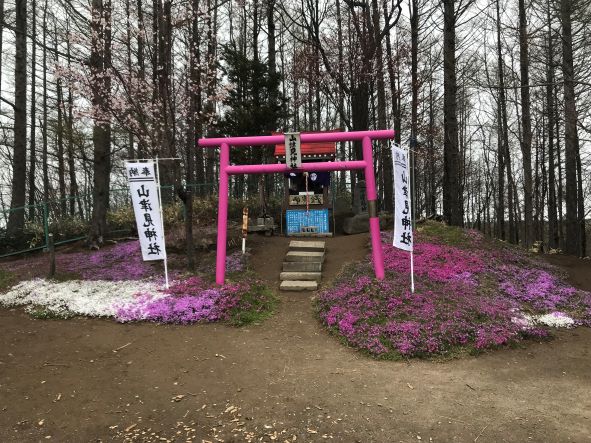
x,y
162,223
412,272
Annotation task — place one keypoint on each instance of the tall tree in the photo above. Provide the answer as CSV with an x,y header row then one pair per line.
x,y
16,219
571,138
1,37
44,155
501,132
384,154
193,127
75,198
414,107
271,38
552,213
100,61
32,141
61,165
452,200
526,132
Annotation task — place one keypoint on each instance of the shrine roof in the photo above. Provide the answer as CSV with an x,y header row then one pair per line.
x,y
324,149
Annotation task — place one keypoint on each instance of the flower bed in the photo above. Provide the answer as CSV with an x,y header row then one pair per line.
x,y
187,301
115,282
192,301
471,294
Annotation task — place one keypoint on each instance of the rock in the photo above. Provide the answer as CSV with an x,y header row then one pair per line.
x,y
357,224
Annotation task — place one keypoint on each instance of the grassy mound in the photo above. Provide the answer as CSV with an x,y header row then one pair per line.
x,y
470,294
116,282
194,300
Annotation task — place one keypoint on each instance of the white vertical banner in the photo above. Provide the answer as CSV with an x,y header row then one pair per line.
x,y
146,206
403,235
293,150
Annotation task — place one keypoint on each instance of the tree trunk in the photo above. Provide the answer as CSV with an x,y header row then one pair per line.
x,y
414,105
581,208
526,138
141,42
341,96
570,131
16,219
271,44
44,159
192,136
61,168
560,190
502,133
552,215
316,74
74,191
32,145
167,169
452,200
383,152
432,202
130,138
1,38
100,58
210,85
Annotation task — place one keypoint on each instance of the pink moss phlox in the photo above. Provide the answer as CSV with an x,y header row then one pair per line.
x,y
436,262
122,261
189,301
464,297
235,262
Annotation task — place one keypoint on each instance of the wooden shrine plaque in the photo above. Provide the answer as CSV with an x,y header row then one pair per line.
x,y
300,200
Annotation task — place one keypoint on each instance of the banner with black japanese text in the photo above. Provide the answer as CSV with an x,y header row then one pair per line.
x,y
293,150
146,206
403,235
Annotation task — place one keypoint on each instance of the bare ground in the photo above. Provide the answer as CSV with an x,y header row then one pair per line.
x,y
86,380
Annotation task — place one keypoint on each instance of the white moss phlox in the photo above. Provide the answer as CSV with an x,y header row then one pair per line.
x,y
555,319
92,298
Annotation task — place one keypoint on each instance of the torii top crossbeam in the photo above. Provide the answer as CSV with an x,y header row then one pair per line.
x,y
366,164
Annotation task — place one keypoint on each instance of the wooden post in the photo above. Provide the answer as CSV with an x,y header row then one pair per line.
x,y
244,229
51,250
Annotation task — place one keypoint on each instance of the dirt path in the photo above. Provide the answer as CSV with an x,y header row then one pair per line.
x,y
63,379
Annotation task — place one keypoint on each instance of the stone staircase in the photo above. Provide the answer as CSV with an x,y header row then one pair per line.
x,y
302,266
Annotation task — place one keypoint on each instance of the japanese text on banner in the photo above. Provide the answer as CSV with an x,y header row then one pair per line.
x,y
146,206
293,150
403,236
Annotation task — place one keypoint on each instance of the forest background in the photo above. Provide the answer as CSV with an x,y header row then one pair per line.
x,y
491,96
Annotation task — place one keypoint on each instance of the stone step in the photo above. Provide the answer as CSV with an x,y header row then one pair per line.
x,y
298,285
295,266
310,276
304,256
310,246
310,234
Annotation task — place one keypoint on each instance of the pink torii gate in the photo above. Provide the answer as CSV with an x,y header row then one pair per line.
x,y
226,169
